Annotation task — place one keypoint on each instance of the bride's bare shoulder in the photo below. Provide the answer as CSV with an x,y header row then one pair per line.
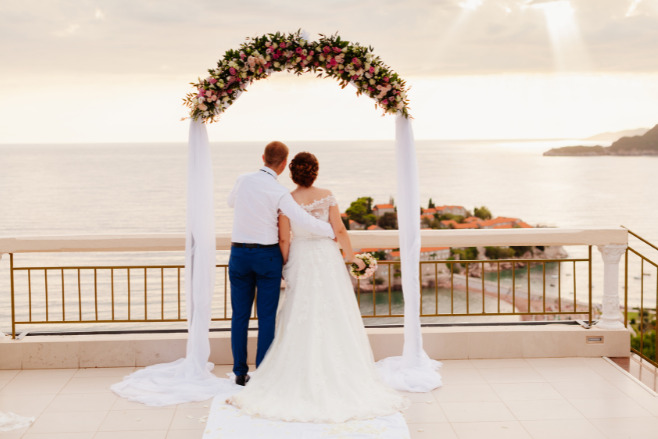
x,y
321,193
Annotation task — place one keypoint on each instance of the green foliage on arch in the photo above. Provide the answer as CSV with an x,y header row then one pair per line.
x,y
328,57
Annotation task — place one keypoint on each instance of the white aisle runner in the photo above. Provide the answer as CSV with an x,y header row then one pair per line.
x,y
227,422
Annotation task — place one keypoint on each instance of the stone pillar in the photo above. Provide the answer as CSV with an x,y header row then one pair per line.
x,y
611,317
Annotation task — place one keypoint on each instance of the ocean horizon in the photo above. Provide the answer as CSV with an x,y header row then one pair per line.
x,y
140,188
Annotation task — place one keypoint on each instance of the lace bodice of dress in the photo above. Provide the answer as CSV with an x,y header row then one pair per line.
x,y
319,209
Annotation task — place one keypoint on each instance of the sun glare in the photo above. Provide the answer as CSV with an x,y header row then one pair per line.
x,y
568,48
471,4
632,8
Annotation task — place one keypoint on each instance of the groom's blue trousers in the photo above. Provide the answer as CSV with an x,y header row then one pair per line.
x,y
253,272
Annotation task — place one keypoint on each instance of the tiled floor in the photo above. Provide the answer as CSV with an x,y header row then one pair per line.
x,y
516,398
640,369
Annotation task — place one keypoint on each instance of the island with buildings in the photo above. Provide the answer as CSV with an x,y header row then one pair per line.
x,y
448,268
364,215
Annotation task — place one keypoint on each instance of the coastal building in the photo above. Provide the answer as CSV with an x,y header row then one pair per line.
x,y
381,209
503,223
356,226
452,210
452,224
477,223
433,253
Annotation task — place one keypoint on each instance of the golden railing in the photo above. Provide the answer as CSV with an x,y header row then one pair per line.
x,y
642,319
154,293
511,300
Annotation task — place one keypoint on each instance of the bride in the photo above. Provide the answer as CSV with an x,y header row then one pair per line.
x,y
320,366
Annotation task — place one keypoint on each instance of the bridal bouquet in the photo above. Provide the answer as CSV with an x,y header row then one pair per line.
x,y
369,270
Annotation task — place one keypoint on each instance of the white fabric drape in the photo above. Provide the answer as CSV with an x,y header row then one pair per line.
x,y
189,379
12,421
414,371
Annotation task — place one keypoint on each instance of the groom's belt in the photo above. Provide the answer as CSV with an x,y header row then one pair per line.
x,y
250,245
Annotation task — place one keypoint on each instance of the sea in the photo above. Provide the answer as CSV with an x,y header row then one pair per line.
x,y
140,188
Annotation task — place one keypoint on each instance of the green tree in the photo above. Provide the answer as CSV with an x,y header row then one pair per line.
x,y
467,253
498,252
520,250
380,255
361,211
648,342
482,212
430,204
388,221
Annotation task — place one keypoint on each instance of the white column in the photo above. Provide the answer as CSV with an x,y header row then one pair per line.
x,y
611,317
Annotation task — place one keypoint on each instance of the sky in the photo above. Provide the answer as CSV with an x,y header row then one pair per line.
x,y
90,71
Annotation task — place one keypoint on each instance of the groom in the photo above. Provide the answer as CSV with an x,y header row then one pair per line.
x,y
256,261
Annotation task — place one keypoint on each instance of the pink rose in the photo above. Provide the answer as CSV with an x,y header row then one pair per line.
x,y
337,50
282,45
385,78
356,61
232,71
372,69
299,50
326,49
212,80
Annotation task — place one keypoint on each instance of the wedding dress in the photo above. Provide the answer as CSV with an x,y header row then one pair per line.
x,y
320,366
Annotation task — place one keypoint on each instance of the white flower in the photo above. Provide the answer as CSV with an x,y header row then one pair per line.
x,y
372,82
277,64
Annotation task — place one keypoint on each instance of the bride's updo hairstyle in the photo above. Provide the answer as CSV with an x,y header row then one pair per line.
x,y
304,169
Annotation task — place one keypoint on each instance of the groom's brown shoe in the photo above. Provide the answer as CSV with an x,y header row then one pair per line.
x,y
241,380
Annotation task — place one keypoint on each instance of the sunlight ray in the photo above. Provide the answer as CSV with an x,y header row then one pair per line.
x,y
569,51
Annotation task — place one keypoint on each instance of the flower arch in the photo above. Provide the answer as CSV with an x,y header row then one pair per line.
x,y
189,378
328,57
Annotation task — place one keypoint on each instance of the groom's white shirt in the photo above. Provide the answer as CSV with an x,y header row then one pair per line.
x,y
257,198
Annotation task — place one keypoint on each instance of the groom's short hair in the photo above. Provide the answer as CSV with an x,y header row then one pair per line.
x,y
275,153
